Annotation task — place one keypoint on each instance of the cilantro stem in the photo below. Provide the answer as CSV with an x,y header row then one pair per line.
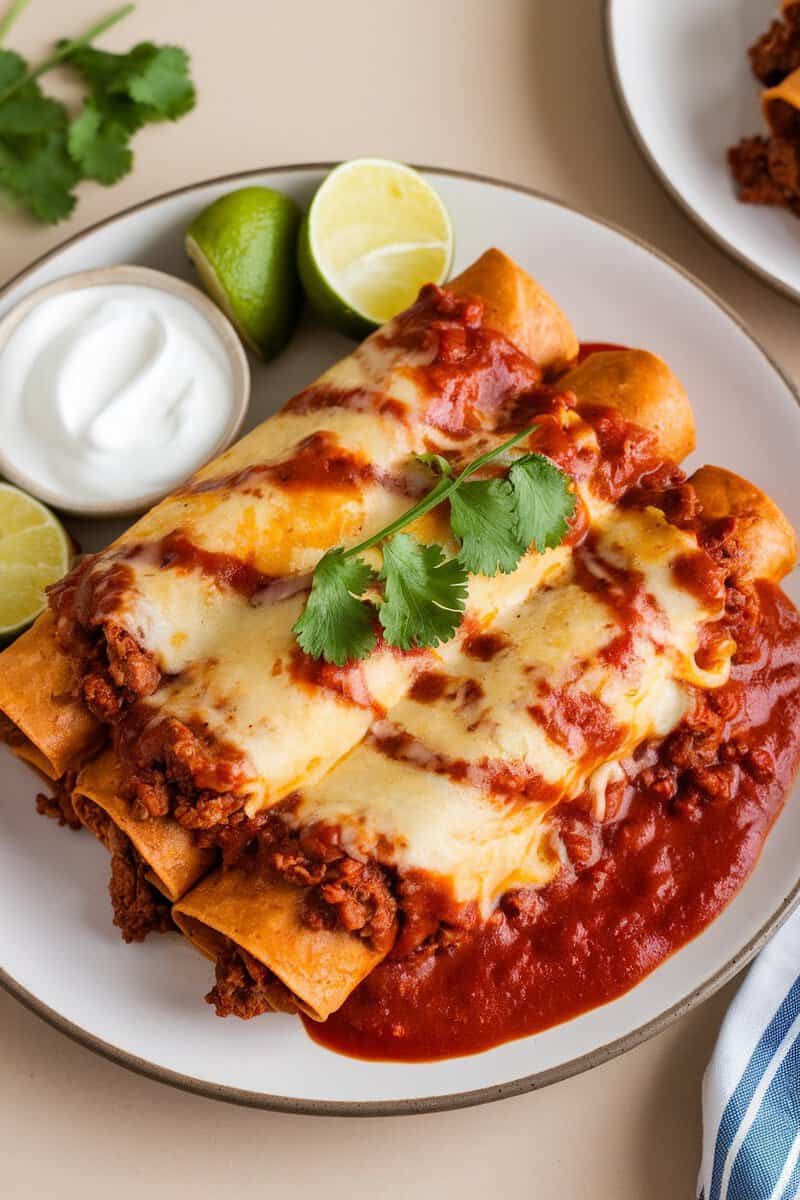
x,y
66,48
13,11
443,489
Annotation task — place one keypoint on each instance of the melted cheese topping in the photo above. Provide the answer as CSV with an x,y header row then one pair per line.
x,y
227,662
227,656
290,731
283,530
432,823
558,643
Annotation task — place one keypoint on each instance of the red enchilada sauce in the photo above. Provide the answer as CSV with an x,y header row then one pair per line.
x,y
639,887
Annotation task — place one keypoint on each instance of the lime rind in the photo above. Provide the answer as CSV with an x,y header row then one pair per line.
x,y
243,246
35,551
216,292
325,301
354,281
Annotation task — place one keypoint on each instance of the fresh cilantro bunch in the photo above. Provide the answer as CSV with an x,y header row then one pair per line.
x,y
45,152
419,594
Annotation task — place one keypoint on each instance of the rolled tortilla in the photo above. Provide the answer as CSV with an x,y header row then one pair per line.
x,y
263,917
38,692
766,541
38,683
521,309
54,724
421,791
517,307
642,388
319,967
174,861
53,730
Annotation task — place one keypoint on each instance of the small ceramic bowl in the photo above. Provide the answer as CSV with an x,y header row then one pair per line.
x,y
142,277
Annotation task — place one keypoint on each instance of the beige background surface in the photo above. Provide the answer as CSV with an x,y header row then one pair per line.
x,y
513,88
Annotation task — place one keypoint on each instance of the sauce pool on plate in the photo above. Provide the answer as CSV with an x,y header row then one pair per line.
x,y
641,886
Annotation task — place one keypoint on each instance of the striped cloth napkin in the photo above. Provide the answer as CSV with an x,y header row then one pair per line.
x,y
751,1090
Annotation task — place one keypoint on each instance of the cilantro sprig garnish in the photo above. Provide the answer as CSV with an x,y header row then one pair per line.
x,y
418,597
44,151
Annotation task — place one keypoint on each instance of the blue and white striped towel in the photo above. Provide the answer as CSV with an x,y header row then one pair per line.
x,y
751,1090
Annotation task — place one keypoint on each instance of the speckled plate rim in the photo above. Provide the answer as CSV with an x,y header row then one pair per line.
x,y
709,232
468,1099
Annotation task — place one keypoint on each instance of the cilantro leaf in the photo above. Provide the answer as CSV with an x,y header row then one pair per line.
x,y
425,593
99,145
106,78
160,81
43,154
496,521
40,175
149,83
544,503
12,68
336,624
483,517
27,111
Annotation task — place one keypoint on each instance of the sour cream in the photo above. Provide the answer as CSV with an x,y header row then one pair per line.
x,y
113,393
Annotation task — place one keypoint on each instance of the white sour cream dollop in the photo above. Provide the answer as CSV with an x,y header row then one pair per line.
x,y
113,392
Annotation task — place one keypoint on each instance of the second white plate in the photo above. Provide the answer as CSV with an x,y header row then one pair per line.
x,y
684,82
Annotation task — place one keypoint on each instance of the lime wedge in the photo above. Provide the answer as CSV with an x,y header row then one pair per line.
x,y
34,552
376,231
244,248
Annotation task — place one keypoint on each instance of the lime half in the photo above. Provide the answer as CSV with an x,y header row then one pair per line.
x,y
244,248
34,552
376,231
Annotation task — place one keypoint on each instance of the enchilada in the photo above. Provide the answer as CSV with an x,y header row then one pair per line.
x,y
644,715
166,635
412,833
224,563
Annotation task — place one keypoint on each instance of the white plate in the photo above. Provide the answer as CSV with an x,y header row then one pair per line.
x,y
142,1005
685,85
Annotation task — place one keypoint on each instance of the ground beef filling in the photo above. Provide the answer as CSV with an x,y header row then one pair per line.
x,y
178,770
138,906
59,806
245,988
413,914
777,52
342,892
171,767
767,169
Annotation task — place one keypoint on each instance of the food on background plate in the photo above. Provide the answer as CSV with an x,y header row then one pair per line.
x,y
244,247
375,232
488,826
767,168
